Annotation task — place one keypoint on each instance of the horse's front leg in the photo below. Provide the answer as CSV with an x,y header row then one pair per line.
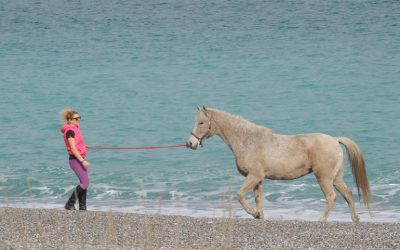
x,y
259,198
250,182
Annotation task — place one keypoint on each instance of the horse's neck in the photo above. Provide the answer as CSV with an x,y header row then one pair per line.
x,y
234,130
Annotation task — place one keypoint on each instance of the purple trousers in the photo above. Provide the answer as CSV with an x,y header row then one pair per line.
x,y
81,172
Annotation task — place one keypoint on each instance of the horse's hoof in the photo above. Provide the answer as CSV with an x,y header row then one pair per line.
x,y
257,215
323,219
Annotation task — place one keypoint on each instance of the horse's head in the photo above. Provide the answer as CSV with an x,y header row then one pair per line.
x,y
202,128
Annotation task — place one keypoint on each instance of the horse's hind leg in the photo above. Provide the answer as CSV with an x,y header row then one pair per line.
x,y
345,191
329,192
259,197
249,183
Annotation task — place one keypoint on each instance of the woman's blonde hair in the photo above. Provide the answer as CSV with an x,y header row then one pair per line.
x,y
67,114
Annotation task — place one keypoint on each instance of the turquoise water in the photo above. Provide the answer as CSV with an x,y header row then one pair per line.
x,y
136,71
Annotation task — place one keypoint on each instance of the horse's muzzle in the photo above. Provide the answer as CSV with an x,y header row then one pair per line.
x,y
190,145
193,144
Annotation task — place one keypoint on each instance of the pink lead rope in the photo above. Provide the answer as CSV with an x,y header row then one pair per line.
x,y
136,148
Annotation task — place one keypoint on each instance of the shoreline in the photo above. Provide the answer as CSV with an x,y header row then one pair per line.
x,y
216,209
54,228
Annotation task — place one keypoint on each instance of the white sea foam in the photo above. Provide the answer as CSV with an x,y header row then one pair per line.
x,y
309,211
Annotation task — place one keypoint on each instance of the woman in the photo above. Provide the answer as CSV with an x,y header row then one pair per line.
x,y
77,151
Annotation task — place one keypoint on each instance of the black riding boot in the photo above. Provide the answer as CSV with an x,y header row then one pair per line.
x,y
70,205
81,197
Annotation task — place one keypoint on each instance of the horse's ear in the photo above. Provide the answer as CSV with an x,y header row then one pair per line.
x,y
198,108
205,111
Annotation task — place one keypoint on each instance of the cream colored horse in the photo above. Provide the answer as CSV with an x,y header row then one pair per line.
x,y
260,154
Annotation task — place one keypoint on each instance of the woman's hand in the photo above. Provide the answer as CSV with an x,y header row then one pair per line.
x,y
86,164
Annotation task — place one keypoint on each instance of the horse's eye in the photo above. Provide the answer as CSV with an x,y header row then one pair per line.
x,y
201,123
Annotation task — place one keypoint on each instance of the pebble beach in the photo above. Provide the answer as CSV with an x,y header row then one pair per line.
x,y
26,228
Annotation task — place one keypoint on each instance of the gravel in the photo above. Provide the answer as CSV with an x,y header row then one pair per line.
x,y
24,228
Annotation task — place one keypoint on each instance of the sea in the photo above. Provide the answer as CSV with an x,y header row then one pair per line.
x,y
136,71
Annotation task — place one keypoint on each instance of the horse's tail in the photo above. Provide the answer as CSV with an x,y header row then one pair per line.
x,y
358,168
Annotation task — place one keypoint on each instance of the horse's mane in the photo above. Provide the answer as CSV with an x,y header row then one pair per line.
x,y
239,119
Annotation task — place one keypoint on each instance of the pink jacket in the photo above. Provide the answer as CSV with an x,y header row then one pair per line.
x,y
80,145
